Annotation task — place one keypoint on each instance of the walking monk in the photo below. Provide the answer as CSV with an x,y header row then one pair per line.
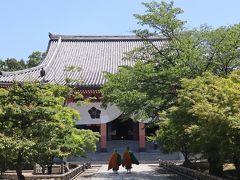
x,y
114,162
128,160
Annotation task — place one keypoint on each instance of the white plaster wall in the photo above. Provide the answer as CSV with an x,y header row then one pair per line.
x,y
107,115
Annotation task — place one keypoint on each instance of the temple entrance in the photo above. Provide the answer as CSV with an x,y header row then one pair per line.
x,y
122,130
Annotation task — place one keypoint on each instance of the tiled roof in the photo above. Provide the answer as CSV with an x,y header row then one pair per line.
x,y
94,55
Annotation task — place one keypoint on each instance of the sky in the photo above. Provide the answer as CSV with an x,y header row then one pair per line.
x,y
25,24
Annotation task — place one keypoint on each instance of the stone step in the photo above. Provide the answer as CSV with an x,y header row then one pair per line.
x,y
120,145
143,157
150,156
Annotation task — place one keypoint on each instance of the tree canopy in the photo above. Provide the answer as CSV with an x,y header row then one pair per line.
x,y
206,118
152,83
194,109
38,126
12,64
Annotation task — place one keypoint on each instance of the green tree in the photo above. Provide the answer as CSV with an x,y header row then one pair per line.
x,y
35,58
212,103
153,83
184,53
2,65
34,117
12,64
174,132
7,154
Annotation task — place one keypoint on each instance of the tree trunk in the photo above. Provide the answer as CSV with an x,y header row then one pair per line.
x,y
1,174
186,162
43,169
19,166
215,164
49,166
19,172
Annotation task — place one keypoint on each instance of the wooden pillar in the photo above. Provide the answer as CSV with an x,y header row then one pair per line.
x,y
109,132
142,141
103,143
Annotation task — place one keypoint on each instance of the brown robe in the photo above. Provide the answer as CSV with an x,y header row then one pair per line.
x,y
115,161
127,161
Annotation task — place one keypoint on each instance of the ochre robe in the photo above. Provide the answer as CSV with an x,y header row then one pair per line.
x,y
115,161
127,161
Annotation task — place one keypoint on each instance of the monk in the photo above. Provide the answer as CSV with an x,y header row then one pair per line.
x,y
114,162
127,160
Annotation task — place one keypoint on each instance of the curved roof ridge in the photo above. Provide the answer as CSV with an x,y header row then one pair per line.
x,y
102,37
47,65
38,67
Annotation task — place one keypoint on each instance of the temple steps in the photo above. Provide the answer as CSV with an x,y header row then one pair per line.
x,y
151,155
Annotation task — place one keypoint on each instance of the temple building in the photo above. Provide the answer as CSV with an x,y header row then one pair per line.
x,y
94,55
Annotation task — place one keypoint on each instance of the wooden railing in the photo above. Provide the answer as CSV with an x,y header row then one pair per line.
x,y
186,173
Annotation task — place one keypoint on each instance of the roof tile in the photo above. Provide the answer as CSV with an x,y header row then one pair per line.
x,y
93,54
